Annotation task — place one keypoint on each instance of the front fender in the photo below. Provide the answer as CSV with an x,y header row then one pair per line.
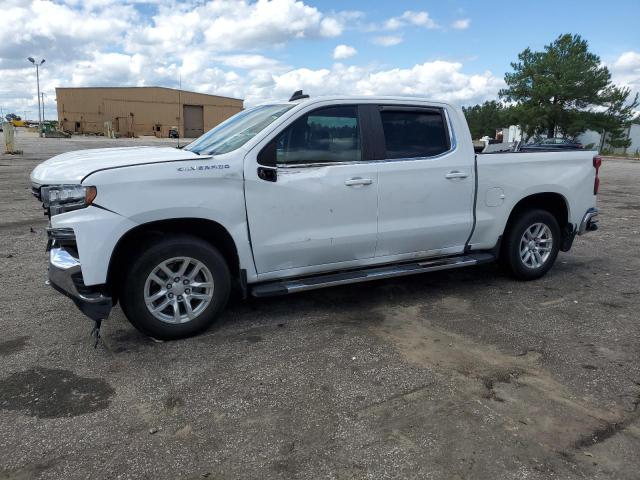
x,y
97,232
212,190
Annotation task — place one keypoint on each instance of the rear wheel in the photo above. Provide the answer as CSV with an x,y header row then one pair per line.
x,y
176,288
531,244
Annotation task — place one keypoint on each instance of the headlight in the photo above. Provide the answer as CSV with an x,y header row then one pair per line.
x,y
64,198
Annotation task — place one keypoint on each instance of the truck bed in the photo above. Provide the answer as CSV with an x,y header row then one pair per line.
x,y
502,180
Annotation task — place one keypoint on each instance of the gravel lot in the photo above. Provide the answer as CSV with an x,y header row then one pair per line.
x,y
462,374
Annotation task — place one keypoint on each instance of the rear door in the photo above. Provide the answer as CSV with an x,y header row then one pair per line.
x,y
311,197
426,184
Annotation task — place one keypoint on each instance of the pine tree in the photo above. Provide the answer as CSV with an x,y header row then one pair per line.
x,y
485,119
566,90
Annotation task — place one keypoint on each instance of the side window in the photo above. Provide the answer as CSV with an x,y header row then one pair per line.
x,y
411,134
326,135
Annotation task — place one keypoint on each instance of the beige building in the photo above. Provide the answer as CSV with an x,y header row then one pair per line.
x,y
135,111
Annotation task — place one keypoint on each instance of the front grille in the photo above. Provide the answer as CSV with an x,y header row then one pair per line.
x,y
62,237
35,190
62,234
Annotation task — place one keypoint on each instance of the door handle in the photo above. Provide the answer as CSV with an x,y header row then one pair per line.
x,y
355,181
456,174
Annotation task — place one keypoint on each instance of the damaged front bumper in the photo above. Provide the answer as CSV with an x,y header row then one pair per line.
x,y
65,276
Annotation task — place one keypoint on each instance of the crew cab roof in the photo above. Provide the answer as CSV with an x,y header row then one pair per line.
x,y
368,98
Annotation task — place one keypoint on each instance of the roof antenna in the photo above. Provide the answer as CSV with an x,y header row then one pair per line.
x,y
297,95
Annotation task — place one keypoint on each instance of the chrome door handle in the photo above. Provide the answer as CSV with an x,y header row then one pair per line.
x,y
456,174
352,182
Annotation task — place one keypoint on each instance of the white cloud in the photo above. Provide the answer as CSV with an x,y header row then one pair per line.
x,y
628,61
438,80
331,27
46,29
387,40
226,25
420,19
103,42
394,23
224,47
461,24
249,61
344,51
625,72
108,69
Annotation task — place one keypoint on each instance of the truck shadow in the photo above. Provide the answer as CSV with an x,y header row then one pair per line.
x,y
348,307
369,295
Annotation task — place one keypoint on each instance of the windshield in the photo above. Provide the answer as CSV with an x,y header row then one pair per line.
x,y
237,130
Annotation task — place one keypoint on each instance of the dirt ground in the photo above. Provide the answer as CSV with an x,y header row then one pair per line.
x,y
463,375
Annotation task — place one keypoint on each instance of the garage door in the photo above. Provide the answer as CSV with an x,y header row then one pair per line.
x,y
193,121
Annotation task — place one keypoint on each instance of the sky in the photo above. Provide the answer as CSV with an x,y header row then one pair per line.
x,y
452,50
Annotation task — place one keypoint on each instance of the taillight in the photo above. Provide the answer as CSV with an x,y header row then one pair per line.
x,y
597,162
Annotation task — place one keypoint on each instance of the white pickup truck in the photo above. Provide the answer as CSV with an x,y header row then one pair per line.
x,y
297,195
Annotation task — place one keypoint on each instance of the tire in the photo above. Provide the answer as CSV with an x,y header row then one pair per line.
x,y
206,292
540,256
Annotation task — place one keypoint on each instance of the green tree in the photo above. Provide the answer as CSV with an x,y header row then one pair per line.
x,y
485,119
615,121
566,90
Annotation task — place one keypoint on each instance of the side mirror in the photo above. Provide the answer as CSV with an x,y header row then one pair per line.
x,y
267,155
267,170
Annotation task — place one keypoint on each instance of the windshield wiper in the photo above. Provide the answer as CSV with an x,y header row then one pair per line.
x,y
180,147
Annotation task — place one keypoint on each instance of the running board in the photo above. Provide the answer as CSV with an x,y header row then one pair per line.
x,y
282,287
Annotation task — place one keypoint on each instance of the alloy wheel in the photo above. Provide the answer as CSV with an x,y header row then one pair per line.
x,y
178,290
536,245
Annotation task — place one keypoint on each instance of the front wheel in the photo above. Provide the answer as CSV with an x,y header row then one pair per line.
x,y
176,288
531,244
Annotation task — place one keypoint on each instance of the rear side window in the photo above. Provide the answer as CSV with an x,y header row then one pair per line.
x,y
325,135
414,133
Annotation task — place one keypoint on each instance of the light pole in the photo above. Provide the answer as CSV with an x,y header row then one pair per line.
x,y
37,64
42,95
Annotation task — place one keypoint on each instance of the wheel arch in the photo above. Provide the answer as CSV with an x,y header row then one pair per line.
x,y
134,240
553,202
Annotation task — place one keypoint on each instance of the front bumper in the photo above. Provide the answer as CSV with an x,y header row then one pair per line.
x,y
589,221
66,277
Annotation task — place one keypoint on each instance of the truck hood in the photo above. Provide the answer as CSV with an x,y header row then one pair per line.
x,y
72,167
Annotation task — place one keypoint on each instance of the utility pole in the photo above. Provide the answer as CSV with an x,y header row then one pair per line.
x,y
179,107
42,97
37,64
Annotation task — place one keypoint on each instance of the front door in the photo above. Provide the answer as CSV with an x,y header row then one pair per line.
x,y
319,206
426,185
